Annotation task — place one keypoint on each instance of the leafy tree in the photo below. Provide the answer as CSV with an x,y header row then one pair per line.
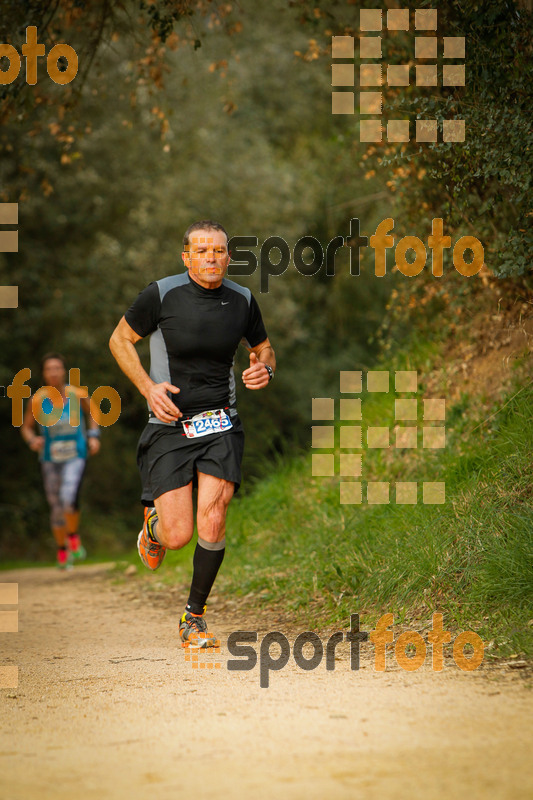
x,y
482,187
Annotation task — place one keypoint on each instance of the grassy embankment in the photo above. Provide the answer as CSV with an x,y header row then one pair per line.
x,y
293,545
470,558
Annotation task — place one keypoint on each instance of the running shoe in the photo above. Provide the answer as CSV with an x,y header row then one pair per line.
x,y
80,554
194,633
64,560
150,551
77,550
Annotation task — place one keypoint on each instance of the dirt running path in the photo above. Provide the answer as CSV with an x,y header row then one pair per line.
x,y
107,707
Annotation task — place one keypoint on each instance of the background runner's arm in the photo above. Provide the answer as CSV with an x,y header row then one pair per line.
x,y
122,345
92,424
27,429
93,439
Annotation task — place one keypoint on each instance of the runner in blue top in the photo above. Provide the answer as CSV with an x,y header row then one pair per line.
x,y
63,449
194,436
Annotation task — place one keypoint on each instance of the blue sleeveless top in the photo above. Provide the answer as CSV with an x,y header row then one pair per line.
x,y
62,441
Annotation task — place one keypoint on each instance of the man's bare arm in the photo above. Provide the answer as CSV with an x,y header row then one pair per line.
x,y
265,353
122,345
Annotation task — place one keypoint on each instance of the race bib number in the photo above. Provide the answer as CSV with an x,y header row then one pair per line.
x,y
63,450
206,423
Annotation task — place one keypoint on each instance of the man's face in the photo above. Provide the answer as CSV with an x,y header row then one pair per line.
x,y
207,258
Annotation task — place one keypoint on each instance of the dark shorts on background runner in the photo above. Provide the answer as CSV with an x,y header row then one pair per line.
x,y
168,460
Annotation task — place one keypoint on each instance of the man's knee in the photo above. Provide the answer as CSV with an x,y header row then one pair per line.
x,y
211,529
172,532
212,516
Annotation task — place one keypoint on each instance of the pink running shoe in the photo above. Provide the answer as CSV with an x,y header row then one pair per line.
x,y
64,559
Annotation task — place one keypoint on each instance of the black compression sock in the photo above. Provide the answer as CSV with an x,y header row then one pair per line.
x,y
206,562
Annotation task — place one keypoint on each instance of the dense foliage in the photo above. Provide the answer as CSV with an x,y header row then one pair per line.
x,y
483,187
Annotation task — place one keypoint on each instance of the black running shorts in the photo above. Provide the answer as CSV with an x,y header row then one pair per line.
x,y
167,459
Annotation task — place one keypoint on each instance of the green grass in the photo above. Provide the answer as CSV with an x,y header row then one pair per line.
x,y
470,558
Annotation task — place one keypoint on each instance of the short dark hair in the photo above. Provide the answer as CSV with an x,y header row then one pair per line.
x,y
203,225
49,356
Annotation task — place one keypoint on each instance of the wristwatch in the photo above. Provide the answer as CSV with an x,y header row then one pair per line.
x,y
269,370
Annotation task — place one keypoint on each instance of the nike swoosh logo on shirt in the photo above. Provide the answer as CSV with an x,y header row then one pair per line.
x,y
224,304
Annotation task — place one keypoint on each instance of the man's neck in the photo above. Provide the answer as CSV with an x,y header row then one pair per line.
x,y
206,284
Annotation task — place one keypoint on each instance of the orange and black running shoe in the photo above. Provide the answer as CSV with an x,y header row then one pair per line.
x,y
150,551
194,633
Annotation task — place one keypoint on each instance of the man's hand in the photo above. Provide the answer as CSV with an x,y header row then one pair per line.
x,y
256,376
161,404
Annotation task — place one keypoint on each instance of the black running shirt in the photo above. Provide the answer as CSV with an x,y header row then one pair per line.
x,y
194,335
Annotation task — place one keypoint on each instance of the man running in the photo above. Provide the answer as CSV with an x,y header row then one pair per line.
x,y
62,449
194,436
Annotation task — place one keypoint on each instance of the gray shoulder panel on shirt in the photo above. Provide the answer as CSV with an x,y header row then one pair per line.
x,y
166,284
236,288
